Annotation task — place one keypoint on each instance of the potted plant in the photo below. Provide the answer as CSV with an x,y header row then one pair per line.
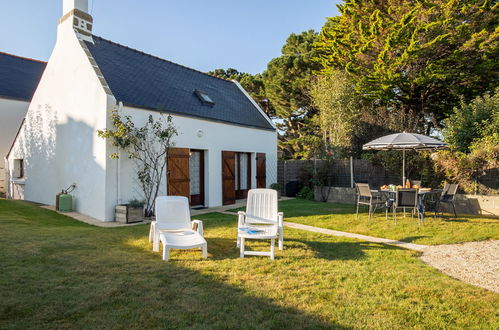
x,y
131,212
277,187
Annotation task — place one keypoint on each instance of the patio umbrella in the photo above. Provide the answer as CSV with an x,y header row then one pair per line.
x,y
405,141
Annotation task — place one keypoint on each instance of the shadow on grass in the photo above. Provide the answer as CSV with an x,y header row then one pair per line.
x,y
342,250
104,278
411,239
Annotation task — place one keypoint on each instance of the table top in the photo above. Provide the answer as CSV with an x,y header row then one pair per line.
x,y
424,191
261,232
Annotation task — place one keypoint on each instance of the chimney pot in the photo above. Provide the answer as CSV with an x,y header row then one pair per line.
x,y
69,5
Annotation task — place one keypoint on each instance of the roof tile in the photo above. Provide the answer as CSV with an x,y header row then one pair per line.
x,y
144,81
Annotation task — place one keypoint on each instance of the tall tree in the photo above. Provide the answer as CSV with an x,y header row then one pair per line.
x,y
415,56
287,82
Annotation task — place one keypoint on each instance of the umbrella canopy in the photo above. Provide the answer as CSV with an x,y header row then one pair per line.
x,y
404,141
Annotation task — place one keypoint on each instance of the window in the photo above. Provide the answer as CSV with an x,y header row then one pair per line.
x,y
18,168
204,97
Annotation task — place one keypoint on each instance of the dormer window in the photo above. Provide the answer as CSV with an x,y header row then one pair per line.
x,y
204,97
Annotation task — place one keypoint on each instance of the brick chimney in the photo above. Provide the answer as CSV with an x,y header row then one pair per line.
x,y
77,12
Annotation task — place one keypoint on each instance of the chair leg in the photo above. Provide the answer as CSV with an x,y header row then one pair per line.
x,y
370,207
238,241
357,213
151,233
241,245
166,253
454,209
395,215
155,243
204,248
281,239
272,243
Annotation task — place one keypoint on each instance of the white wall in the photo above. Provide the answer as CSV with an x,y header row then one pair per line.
x,y
58,141
216,138
12,113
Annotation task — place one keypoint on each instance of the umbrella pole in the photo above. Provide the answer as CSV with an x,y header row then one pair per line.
x,y
403,168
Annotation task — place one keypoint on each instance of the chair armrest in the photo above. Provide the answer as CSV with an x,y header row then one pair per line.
x,y
241,215
280,219
197,225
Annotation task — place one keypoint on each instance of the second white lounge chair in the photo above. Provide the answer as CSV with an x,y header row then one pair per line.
x,y
260,221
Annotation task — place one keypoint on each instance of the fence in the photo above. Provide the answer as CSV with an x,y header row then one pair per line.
x,y
342,172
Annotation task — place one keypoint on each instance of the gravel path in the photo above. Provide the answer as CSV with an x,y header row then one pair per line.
x,y
476,263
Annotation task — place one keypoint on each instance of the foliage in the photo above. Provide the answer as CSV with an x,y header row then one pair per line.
x,y
414,56
471,122
275,186
472,131
287,81
338,107
467,168
147,146
305,193
136,203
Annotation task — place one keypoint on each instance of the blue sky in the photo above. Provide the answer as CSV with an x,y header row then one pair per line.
x,y
202,34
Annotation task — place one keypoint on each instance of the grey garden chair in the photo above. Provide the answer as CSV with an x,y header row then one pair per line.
x,y
448,195
365,196
405,198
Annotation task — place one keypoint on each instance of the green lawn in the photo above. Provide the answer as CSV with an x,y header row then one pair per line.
x,y
445,230
59,273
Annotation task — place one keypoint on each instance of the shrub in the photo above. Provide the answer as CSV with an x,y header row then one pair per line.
x,y
306,193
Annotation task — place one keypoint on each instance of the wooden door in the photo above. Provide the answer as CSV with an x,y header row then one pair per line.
x,y
242,168
196,176
261,171
178,172
228,178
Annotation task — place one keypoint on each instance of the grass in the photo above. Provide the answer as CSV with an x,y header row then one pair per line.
x,y
60,273
445,230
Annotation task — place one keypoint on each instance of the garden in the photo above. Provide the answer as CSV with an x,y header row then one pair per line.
x,y
60,273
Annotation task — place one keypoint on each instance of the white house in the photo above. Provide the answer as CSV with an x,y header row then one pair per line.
x,y
226,143
19,77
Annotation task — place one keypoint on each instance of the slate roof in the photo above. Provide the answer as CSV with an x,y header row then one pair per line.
x,y
145,81
19,76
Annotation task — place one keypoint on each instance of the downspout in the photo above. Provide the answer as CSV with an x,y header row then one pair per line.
x,y
118,164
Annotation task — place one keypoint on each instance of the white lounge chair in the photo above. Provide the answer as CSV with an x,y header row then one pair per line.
x,y
260,221
173,227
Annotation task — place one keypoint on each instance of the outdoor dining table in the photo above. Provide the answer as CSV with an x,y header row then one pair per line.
x,y
422,193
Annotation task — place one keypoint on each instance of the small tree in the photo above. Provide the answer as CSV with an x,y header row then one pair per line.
x,y
339,110
147,145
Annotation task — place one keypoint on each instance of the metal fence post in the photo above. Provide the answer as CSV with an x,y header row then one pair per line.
x,y
351,172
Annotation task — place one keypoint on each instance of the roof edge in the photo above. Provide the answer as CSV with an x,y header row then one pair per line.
x,y
19,99
23,58
15,138
195,117
241,88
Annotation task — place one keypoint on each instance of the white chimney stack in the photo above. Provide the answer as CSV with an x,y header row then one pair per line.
x,y
76,16
69,5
